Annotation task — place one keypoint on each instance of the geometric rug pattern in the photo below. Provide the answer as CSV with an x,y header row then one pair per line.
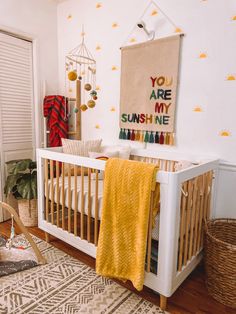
x,y
66,286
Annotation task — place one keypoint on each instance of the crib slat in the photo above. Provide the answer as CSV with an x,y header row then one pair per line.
x,y
202,193
192,221
46,188
182,225
63,194
149,246
209,195
89,207
189,205
197,215
75,201
82,205
69,198
58,193
52,191
96,211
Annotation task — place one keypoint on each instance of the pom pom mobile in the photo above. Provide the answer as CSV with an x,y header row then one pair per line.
x,y
80,67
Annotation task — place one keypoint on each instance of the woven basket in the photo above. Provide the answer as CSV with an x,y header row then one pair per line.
x,y
28,212
220,260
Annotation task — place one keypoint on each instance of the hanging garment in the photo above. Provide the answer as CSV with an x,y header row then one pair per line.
x,y
55,109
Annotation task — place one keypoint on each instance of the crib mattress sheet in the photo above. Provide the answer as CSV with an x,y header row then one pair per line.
x,y
85,197
155,232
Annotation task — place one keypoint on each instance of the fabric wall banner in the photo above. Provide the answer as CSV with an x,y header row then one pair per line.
x,y
149,78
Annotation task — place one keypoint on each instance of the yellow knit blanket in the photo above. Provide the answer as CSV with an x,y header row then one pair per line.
x,y
123,233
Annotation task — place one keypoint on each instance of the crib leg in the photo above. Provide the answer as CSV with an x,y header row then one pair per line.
x,y
47,237
163,302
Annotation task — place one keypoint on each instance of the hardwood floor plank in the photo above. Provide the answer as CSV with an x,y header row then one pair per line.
x,y
190,298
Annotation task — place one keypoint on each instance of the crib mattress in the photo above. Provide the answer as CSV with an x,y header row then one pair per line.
x,y
66,194
155,231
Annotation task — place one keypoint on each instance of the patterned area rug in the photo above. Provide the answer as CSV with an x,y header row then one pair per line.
x,y
66,286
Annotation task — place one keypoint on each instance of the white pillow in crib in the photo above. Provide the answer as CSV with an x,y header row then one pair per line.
x,y
124,151
103,156
182,164
81,148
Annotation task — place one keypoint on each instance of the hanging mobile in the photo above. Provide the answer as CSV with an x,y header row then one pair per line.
x,y
83,68
10,240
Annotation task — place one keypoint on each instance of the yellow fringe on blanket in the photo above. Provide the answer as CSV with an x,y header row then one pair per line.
x,y
123,233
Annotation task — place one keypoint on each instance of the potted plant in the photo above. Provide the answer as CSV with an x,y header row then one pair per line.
x,y
22,183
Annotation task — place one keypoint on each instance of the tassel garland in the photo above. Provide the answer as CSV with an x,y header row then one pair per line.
x,y
147,136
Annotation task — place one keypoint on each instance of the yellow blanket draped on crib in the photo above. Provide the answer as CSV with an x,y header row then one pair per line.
x,y
123,232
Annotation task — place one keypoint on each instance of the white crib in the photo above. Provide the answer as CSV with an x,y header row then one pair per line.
x,y
70,209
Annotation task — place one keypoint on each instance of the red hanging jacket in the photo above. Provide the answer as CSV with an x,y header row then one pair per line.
x,y
55,109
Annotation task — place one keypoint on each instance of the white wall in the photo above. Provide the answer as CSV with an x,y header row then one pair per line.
x,y
210,28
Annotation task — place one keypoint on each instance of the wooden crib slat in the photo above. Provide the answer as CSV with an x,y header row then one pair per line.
x,y
209,195
197,215
192,221
89,207
69,198
52,191
82,205
182,225
189,205
46,188
96,211
58,193
202,193
63,194
149,245
75,201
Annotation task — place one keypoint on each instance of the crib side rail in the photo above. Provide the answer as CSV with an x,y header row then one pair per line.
x,y
186,201
69,197
195,208
64,204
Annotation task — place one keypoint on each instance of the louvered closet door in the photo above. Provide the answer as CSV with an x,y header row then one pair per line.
x,y
16,101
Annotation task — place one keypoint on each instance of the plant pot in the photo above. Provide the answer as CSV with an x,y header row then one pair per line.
x,y
28,212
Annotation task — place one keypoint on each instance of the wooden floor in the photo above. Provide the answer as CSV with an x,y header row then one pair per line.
x,y
190,297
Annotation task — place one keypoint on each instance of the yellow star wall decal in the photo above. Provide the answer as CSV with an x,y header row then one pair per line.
x,y
231,78
69,17
98,87
114,25
224,133
98,5
197,109
114,68
113,109
154,12
98,47
202,55
132,40
97,126
178,30
234,18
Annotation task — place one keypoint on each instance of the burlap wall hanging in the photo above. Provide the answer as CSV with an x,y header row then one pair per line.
x,y
149,79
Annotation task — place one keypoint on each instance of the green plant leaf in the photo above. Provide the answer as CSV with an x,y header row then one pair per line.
x,y
27,186
22,180
21,166
33,165
11,182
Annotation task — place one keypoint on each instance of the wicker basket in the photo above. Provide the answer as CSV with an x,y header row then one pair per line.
x,y
220,260
28,212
